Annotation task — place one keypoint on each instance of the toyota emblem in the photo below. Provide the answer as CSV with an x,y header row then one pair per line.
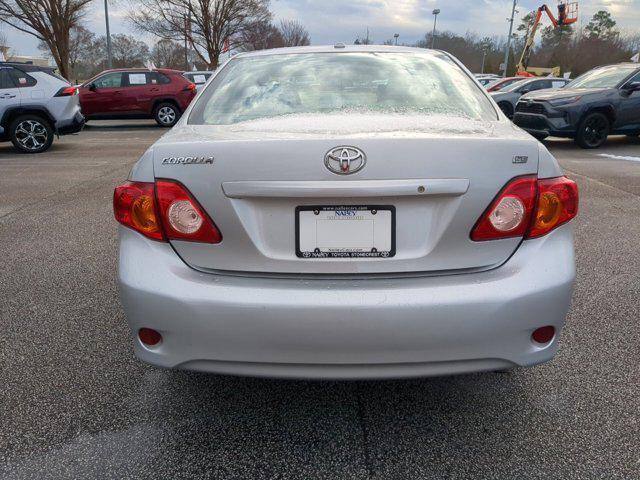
x,y
345,160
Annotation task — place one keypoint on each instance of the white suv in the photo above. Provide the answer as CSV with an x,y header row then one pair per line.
x,y
35,105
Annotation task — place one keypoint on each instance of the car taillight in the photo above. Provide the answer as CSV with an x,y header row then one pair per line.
x,y
191,87
557,204
528,207
162,211
134,206
510,212
67,92
182,216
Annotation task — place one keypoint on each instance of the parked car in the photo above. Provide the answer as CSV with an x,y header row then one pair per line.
x,y
603,101
501,83
161,94
296,223
199,78
35,105
486,78
507,97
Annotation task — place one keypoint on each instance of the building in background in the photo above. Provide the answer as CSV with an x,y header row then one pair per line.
x,y
5,53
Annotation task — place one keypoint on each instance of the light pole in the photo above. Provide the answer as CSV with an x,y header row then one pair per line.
x,y
484,54
506,52
106,20
396,35
187,30
435,12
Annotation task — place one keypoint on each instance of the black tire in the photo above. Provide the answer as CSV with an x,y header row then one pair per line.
x,y
593,130
31,133
166,114
507,109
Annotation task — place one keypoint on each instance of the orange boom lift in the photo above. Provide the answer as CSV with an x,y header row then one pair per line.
x,y
567,14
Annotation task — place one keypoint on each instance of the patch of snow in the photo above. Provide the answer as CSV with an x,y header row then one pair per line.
x,y
367,124
619,157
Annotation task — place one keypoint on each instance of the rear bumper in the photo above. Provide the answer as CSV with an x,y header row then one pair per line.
x,y
377,328
68,127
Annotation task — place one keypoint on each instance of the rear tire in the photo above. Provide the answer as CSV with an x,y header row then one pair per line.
x,y
507,109
31,134
166,114
593,130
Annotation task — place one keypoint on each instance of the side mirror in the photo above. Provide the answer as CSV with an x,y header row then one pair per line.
x,y
631,87
92,87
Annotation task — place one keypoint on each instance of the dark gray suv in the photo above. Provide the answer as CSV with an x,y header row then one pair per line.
x,y
603,101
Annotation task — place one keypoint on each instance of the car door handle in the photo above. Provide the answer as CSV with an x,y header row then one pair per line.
x,y
7,95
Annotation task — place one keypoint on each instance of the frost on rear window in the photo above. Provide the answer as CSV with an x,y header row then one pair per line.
x,y
367,82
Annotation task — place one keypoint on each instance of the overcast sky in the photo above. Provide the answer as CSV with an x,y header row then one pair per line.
x,y
330,21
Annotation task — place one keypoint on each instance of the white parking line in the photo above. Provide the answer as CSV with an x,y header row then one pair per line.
x,y
619,157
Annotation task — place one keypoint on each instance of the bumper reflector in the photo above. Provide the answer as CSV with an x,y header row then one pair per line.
x,y
149,336
543,334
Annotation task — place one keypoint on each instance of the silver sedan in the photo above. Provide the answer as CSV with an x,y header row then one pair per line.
x,y
345,212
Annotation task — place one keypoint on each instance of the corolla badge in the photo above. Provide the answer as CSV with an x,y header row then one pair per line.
x,y
345,160
187,160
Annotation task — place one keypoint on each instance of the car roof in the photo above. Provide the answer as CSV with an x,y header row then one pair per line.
x,y
532,79
337,48
621,64
625,65
27,67
139,69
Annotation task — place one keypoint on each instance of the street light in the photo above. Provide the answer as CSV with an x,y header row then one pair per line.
x,y
435,12
396,35
106,20
506,51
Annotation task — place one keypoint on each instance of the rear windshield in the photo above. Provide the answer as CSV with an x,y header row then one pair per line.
x,y
605,77
272,85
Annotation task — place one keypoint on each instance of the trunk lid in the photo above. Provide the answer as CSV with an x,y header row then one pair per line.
x,y
438,174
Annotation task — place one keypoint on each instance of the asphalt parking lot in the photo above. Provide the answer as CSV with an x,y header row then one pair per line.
x,y
75,403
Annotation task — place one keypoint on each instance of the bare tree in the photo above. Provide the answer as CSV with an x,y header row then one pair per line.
x,y
294,34
207,24
83,54
169,54
126,50
50,21
260,36
4,48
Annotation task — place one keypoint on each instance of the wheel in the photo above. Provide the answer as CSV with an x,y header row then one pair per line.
x,y
166,114
593,130
31,134
507,109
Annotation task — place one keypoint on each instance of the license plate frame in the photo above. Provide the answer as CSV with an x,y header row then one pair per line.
x,y
373,254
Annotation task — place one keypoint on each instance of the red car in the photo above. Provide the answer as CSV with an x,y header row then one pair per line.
x,y
503,82
161,94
